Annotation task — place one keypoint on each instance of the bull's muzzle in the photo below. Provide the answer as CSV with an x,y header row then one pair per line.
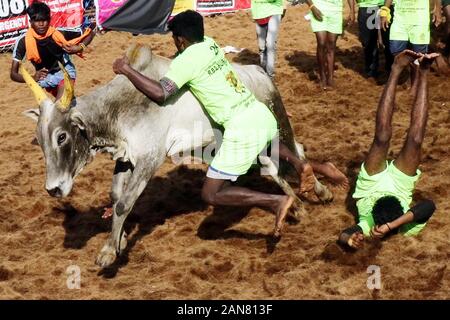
x,y
55,192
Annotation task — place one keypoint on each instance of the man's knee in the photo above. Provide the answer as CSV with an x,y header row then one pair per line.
x,y
415,140
383,137
208,196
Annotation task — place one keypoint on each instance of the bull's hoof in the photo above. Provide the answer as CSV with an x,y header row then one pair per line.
x,y
106,257
325,196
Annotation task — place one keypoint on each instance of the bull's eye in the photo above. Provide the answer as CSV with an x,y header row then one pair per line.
x,y
61,138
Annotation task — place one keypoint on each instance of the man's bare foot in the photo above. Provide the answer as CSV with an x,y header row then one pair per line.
x,y
336,176
282,211
107,213
330,84
406,57
307,179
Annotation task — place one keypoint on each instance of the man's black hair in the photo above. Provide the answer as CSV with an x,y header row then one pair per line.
x,y
38,11
189,25
386,209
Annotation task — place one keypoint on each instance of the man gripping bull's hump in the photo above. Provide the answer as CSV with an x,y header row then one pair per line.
x,y
249,125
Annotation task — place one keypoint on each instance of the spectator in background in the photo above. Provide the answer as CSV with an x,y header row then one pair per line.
x,y
44,47
410,28
267,15
372,38
327,23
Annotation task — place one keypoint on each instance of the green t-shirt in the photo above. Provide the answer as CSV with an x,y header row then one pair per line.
x,y
266,8
369,3
329,6
390,182
412,12
211,78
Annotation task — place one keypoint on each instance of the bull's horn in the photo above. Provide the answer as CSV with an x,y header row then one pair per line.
x,y
38,92
63,103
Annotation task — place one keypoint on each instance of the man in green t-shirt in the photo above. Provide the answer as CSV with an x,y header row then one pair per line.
x,y
384,189
327,23
249,126
410,27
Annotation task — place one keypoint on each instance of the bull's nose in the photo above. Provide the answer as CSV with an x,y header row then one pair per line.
x,y
55,192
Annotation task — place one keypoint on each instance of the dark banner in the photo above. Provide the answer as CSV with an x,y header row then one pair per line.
x,y
141,16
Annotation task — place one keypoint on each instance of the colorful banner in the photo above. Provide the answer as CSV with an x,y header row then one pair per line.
x,y
106,8
183,5
66,14
13,21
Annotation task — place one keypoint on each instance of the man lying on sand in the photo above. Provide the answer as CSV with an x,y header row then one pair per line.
x,y
202,66
384,189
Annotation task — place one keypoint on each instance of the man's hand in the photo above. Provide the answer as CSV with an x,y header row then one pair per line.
x,y
406,57
120,65
350,20
437,17
427,60
384,22
317,13
72,49
40,74
379,231
356,240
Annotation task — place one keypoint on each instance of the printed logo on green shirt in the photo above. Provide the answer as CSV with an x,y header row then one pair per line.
x,y
234,82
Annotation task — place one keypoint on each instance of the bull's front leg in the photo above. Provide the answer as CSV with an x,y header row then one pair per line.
x,y
131,189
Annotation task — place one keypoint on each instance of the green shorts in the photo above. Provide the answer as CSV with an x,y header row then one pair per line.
x,y
390,182
331,22
246,135
416,34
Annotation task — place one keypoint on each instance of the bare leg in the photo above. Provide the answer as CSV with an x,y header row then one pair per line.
x,y
330,171
447,29
217,192
376,159
304,169
409,157
321,57
414,70
330,54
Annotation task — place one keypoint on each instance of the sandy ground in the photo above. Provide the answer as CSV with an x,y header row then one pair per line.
x,y
181,248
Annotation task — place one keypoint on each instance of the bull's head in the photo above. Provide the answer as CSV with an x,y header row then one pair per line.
x,y
62,135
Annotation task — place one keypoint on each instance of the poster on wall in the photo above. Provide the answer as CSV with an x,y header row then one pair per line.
x,y
221,6
66,14
13,21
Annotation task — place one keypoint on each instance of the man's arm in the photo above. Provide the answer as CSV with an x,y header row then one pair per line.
x,y
420,213
353,237
17,77
315,11
73,49
151,88
384,21
351,18
437,16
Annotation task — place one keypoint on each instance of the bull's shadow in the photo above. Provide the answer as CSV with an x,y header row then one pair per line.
x,y
176,194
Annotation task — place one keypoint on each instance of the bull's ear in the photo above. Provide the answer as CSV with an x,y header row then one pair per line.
x,y
32,113
77,119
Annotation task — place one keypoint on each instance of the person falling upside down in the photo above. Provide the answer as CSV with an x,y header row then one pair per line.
x,y
201,65
384,189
